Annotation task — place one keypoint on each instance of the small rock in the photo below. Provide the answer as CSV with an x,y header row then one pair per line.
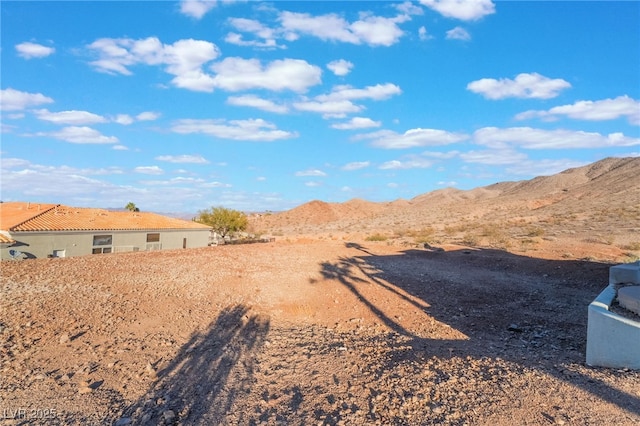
x,y
123,421
84,389
515,327
169,416
151,371
64,338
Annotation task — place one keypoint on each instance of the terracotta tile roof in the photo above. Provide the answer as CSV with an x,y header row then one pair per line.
x,y
14,213
5,239
63,218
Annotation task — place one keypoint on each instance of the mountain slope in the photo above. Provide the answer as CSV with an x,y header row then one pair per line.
x,y
607,184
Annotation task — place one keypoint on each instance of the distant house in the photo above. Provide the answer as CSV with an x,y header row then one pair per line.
x,y
32,230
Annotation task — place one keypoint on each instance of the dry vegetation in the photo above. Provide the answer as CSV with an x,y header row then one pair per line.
x,y
458,308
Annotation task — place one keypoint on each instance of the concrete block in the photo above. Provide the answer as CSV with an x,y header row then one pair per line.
x,y
629,298
612,340
625,273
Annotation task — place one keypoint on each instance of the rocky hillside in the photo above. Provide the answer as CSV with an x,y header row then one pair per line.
x,y
598,202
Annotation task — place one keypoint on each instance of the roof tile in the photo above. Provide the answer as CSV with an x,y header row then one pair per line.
x,y
64,218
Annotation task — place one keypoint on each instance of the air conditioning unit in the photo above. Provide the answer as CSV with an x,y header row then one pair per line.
x,y
154,246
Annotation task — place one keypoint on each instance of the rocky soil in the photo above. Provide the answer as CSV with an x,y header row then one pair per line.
x,y
317,331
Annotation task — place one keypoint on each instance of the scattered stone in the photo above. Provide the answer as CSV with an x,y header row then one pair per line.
x,y
169,416
64,338
123,421
84,389
151,371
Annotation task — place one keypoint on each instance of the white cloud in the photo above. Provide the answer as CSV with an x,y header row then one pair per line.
x,y
412,138
237,39
448,184
423,34
196,8
312,184
493,157
529,138
148,116
183,59
72,186
340,67
149,170
337,103
458,33
372,30
606,109
257,102
268,35
216,184
246,130
412,162
409,8
15,100
30,50
69,117
441,155
235,74
528,86
377,92
337,109
311,172
379,31
191,159
123,119
465,10
78,118
356,165
119,148
357,123
80,135
35,180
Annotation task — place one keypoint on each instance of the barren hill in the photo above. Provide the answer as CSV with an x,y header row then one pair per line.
x,y
603,197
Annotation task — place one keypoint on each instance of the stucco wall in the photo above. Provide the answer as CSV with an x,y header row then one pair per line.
x,y
43,244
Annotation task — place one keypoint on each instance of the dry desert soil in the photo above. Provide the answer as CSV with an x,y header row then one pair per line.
x,y
455,308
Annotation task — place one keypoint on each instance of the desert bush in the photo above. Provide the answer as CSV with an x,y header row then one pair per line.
x,y
471,240
535,231
632,246
377,237
424,235
527,244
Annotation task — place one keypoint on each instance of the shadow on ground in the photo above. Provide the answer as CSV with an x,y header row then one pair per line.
x,y
211,371
527,311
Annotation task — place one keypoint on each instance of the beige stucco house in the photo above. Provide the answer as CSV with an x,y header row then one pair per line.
x,y
33,230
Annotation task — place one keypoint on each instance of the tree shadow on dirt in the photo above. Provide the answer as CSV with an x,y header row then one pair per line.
x,y
527,311
210,372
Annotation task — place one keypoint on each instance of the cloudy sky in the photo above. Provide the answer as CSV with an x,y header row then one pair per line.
x,y
180,106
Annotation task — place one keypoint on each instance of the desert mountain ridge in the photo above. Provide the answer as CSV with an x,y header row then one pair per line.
x,y
605,186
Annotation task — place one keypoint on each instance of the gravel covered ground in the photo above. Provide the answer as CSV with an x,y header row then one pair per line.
x,y
305,332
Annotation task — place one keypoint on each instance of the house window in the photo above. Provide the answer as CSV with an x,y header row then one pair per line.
x,y
101,250
153,238
102,240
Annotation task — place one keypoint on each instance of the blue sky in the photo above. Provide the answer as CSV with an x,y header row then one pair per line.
x,y
180,106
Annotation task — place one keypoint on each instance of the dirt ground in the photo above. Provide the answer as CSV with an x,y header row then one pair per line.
x,y
324,331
